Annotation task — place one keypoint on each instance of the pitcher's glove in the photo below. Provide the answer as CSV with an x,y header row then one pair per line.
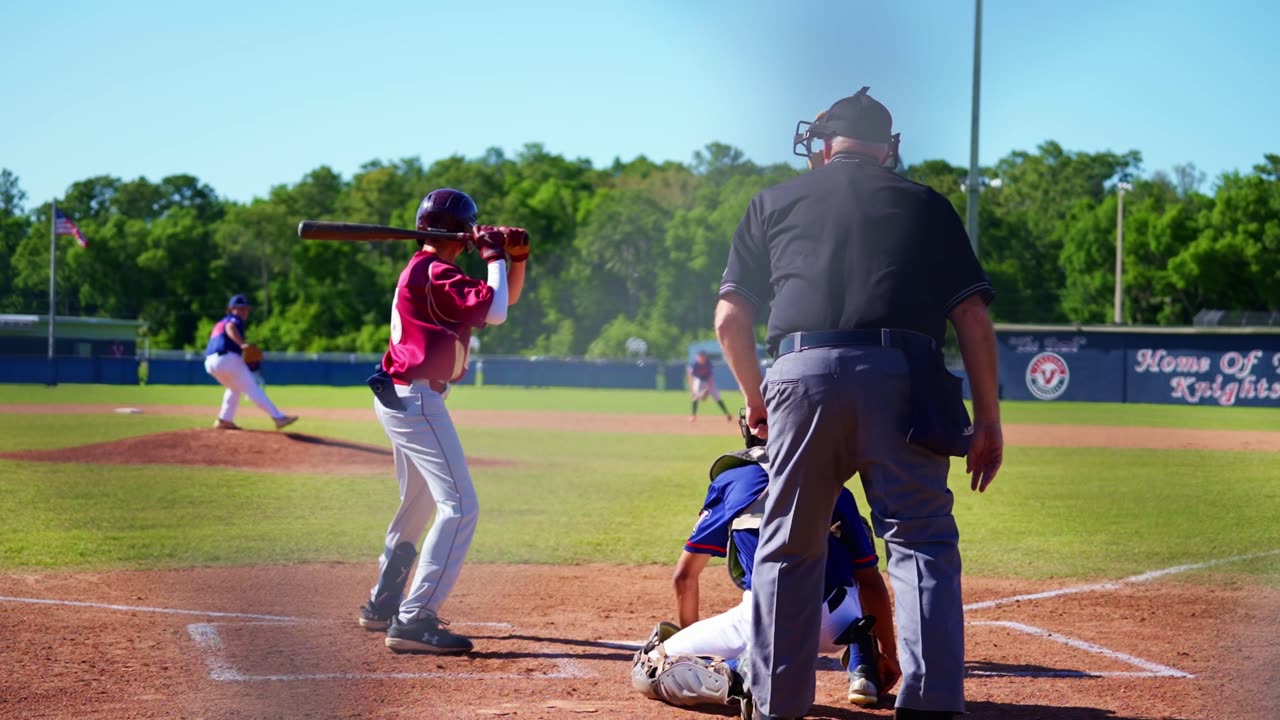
x,y
252,356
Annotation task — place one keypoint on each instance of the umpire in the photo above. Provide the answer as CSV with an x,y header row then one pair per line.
x,y
859,270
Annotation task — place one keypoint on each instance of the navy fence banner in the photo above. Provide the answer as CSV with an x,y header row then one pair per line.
x,y
1185,368
1062,366
1225,371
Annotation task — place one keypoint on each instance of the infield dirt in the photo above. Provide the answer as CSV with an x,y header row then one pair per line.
x,y
548,646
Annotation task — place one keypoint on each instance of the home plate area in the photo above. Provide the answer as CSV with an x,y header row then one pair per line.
x,y
269,651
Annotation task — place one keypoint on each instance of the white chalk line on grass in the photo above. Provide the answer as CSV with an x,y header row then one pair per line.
x,y
209,641
1152,669
1115,584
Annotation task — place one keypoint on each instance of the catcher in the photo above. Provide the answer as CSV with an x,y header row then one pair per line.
x,y
234,364
701,663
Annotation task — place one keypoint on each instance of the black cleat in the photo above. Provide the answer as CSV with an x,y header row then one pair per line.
x,y
371,619
425,635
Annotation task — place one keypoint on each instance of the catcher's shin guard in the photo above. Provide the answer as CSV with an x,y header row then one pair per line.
x,y
390,590
862,659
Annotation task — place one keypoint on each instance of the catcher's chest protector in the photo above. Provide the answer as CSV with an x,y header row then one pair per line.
x,y
750,517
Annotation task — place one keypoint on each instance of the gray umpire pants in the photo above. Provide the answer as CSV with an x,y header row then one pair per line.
x,y
834,412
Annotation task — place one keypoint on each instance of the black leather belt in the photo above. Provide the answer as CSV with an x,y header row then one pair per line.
x,y
881,337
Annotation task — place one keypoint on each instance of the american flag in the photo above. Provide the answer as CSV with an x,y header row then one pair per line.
x,y
62,225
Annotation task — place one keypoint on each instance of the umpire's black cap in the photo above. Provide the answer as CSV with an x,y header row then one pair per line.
x,y
859,117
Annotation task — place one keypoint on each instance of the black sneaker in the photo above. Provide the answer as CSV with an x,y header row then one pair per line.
x,y
425,635
372,619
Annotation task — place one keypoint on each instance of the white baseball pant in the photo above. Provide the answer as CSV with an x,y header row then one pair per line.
x,y
231,372
433,477
727,635
703,389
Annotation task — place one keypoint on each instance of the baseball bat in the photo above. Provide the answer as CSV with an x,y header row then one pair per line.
x,y
327,230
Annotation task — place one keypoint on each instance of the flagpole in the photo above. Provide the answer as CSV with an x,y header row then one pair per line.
x,y
53,265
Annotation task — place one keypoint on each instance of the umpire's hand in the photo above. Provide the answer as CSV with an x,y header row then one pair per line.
x,y
986,453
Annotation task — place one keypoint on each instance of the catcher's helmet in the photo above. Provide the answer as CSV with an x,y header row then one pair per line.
x,y
859,117
449,210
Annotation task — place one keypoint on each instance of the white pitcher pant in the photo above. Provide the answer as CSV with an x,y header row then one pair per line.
x,y
434,478
231,372
727,635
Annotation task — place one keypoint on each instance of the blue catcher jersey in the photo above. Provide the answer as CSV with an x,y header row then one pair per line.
x,y
849,547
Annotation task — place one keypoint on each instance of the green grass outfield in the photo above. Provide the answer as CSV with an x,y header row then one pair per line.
x,y
630,401
1053,513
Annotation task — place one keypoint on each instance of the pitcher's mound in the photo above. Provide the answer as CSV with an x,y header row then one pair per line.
x,y
284,452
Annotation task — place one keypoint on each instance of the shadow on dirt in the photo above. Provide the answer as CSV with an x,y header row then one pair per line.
x,y
1024,670
331,442
1016,711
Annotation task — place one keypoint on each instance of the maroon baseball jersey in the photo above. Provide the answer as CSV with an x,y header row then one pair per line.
x,y
435,308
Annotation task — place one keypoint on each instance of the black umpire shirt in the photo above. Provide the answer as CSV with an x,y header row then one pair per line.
x,y
852,245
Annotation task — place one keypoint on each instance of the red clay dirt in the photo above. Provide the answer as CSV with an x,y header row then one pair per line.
x,y
1015,435
548,646
282,452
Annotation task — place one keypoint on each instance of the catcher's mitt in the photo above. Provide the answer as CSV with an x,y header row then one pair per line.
x,y
252,356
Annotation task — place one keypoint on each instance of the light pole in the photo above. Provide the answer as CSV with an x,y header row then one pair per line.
x,y
973,184
982,184
1121,189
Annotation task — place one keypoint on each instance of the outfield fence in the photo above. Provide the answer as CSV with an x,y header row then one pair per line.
x,y
1197,366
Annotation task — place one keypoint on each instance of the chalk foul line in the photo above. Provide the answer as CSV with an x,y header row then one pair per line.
x,y
265,619
209,641
143,608
1116,584
1151,669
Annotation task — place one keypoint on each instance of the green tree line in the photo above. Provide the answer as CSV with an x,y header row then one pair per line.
x,y
634,249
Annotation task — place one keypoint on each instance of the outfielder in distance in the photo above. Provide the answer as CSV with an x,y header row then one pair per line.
x,y
435,308
224,360
702,385
701,663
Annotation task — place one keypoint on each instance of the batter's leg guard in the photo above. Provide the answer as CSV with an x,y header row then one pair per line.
x,y
377,614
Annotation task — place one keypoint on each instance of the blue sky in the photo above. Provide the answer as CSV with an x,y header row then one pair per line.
x,y
246,95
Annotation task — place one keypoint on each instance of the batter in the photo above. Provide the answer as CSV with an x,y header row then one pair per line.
x,y
435,309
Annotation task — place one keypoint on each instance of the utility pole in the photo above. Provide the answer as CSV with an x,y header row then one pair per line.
x,y
1121,188
974,184
53,274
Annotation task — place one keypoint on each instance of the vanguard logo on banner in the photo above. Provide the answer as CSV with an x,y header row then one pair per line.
x,y
1224,378
1047,376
